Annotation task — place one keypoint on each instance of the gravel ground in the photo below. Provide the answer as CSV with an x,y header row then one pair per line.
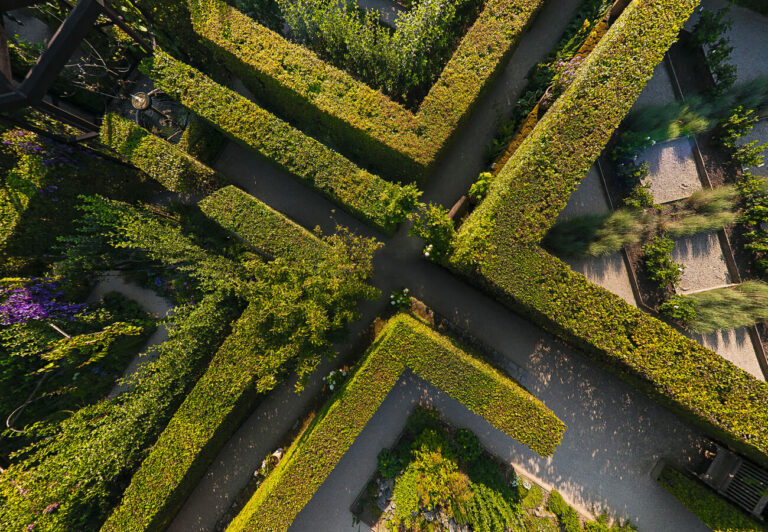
x,y
734,345
705,266
673,174
658,91
760,134
588,198
748,36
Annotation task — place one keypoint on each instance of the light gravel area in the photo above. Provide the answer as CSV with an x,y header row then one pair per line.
x,y
658,91
760,134
672,173
704,262
748,36
149,301
609,272
734,345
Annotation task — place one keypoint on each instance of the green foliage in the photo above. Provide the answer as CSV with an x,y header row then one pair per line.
x,y
381,203
596,235
710,32
659,266
533,498
479,188
680,309
402,64
403,343
345,112
467,445
566,515
164,162
83,463
727,308
389,464
714,511
711,26
640,197
736,125
432,224
750,155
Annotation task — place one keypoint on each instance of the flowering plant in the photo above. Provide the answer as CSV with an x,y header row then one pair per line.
x,y
39,299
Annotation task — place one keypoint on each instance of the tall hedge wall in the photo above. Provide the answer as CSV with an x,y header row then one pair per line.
x,y
404,343
498,245
380,202
260,226
209,415
160,159
378,131
714,511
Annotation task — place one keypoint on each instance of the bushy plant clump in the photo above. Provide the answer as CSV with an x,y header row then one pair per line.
x,y
404,63
727,308
659,266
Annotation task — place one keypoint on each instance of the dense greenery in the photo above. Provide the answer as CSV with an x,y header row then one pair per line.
x,y
349,114
41,180
174,169
403,343
404,63
80,468
380,202
727,308
499,242
298,304
717,513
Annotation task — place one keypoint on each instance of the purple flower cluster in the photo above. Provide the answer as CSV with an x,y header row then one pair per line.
x,y
52,153
37,300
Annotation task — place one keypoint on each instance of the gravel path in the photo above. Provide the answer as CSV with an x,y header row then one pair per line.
x,y
705,266
658,91
734,345
149,301
673,174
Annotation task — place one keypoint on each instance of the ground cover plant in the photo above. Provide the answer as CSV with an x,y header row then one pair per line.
x,y
403,343
498,244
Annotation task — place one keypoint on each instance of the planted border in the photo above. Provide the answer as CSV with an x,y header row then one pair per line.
x,y
380,202
404,343
384,134
260,226
499,245
714,511
160,159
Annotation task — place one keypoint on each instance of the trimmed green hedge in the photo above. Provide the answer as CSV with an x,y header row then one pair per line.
x,y
500,241
259,225
380,202
212,411
160,159
404,343
380,132
713,510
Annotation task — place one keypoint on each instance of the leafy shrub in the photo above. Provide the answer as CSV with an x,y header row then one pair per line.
x,y
657,258
468,445
431,223
389,464
479,188
640,197
566,515
750,155
596,235
727,308
736,125
680,309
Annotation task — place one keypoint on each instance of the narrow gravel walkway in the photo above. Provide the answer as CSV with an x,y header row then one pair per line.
x,y
149,301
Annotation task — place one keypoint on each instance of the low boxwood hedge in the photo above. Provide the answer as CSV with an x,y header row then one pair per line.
x,y
498,245
714,511
404,343
380,202
379,132
260,226
160,159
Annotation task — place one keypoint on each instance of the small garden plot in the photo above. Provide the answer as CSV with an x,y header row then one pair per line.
x,y
438,477
672,173
734,345
703,263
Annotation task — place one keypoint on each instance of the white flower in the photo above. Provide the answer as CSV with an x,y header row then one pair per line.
x,y
393,302
426,253
331,387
